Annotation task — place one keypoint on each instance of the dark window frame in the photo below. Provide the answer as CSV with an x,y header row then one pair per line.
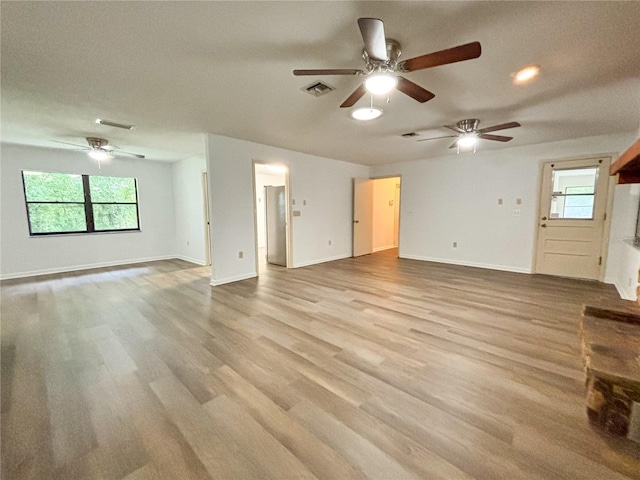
x,y
88,208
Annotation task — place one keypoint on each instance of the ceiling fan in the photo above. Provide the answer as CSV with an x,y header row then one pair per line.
x,y
381,57
469,133
98,149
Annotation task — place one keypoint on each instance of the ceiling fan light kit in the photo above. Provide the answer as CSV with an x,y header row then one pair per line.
x,y
99,154
380,83
467,140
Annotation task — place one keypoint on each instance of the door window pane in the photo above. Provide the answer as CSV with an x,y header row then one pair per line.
x,y
573,193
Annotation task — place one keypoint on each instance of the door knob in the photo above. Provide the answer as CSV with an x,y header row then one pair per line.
x,y
356,221
544,218
544,225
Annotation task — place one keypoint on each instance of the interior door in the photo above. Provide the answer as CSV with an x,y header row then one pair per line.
x,y
362,216
276,231
572,209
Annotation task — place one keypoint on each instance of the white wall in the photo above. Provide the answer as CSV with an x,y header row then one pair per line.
x,y
21,255
189,209
325,185
262,180
454,198
384,218
624,258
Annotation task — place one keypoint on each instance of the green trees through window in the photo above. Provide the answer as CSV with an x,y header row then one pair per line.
x,y
64,203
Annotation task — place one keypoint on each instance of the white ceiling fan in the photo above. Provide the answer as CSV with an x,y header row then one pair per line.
x,y
98,149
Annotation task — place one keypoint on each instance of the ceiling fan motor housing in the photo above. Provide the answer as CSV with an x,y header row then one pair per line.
x,y
391,64
97,143
469,125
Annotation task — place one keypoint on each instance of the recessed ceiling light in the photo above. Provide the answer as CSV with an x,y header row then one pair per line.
x,y
380,84
526,74
366,113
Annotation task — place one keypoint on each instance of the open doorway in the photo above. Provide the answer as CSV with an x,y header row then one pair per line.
x,y
376,215
271,215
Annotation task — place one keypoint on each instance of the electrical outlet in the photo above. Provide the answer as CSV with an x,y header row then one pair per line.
x,y
240,254
516,212
329,242
304,202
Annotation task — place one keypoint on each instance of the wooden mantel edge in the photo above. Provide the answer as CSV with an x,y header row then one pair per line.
x,y
629,156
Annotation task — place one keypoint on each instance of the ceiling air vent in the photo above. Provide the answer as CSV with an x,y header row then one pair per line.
x,y
318,88
410,134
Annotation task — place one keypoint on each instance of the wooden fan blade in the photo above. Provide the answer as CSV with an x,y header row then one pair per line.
x,y
454,128
72,144
354,97
329,71
414,90
502,126
436,138
443,57
375,43
497,138
128,154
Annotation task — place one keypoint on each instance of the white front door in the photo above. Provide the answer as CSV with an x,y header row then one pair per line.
x,y
362,216
573,200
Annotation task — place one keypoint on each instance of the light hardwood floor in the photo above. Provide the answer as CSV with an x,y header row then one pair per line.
x,y
374,367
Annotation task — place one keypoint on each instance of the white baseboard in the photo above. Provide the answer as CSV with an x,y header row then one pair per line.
x,y
191,260
237,278
387,247
625,293
75,268
322,260
504,268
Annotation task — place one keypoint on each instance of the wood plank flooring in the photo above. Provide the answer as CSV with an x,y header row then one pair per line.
x,y
375,367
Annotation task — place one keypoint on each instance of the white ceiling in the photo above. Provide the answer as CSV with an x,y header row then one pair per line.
x,y
178,69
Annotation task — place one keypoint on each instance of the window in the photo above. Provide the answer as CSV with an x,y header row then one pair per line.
x,y
578,202
64,203
573,195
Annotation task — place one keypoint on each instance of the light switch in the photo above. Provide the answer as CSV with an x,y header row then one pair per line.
x,y
500,201
518,201
296,213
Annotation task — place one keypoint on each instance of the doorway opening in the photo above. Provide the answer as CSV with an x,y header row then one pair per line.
x,y
271,212
207,219
376,214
